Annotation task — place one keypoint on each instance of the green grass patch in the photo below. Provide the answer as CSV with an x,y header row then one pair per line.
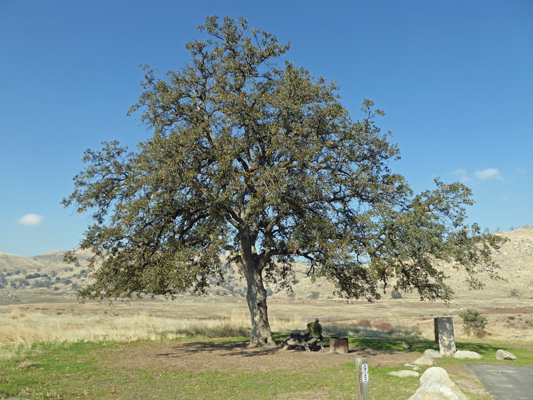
x,y
86,371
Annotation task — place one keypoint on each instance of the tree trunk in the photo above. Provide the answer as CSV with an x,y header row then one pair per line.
x,y
256,297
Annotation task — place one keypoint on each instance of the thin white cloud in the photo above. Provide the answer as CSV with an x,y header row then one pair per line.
x,y
520,170
31,220
463,175
489,173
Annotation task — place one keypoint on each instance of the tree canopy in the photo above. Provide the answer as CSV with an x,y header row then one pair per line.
x,y
253,157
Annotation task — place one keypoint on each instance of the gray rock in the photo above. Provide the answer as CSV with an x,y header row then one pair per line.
x,y
424,360
444,333
437,374
505,355
404,373
462,354
436,391
432,353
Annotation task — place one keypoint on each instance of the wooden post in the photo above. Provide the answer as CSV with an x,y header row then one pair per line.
x,y
361,367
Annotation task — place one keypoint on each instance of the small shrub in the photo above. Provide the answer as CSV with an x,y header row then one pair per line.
x,y
515,294
41,284
314,295
365,323
383,326
473,323
396,294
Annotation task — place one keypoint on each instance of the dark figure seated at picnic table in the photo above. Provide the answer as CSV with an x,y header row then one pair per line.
x,y
316,330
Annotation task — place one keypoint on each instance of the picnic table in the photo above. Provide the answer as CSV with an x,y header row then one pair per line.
x,y
301,338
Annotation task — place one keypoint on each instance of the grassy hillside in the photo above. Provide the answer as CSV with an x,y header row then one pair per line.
x,y
47,275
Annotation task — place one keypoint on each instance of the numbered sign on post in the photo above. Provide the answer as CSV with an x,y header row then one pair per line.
x,y
364,370
363,378
364,375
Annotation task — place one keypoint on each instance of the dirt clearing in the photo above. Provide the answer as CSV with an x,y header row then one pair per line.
x,y
216,356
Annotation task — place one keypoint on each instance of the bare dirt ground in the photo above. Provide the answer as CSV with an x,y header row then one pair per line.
x,y
221,356
224,356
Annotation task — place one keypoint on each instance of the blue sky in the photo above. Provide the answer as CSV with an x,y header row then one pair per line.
x,y
455,78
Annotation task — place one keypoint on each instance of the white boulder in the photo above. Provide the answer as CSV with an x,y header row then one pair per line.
x,y
462,354
424,360
404,373
505,355
432,353
436,391
437,374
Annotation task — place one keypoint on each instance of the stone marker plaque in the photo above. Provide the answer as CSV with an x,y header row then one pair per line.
x,y
445,336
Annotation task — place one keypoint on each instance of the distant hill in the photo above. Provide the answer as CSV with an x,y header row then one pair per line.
x,y
47,273
44,273
515,259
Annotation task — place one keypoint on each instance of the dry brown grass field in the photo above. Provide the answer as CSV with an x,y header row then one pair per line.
x,y
508,319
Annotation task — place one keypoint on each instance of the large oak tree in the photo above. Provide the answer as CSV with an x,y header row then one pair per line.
x,y
254,158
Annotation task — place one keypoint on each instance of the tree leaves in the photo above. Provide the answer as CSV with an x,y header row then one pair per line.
x,y
256,158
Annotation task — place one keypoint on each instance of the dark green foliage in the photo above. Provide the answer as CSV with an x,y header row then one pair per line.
x,y
314,295
473,323
253,157
515,294
19,283
42,283
396,294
